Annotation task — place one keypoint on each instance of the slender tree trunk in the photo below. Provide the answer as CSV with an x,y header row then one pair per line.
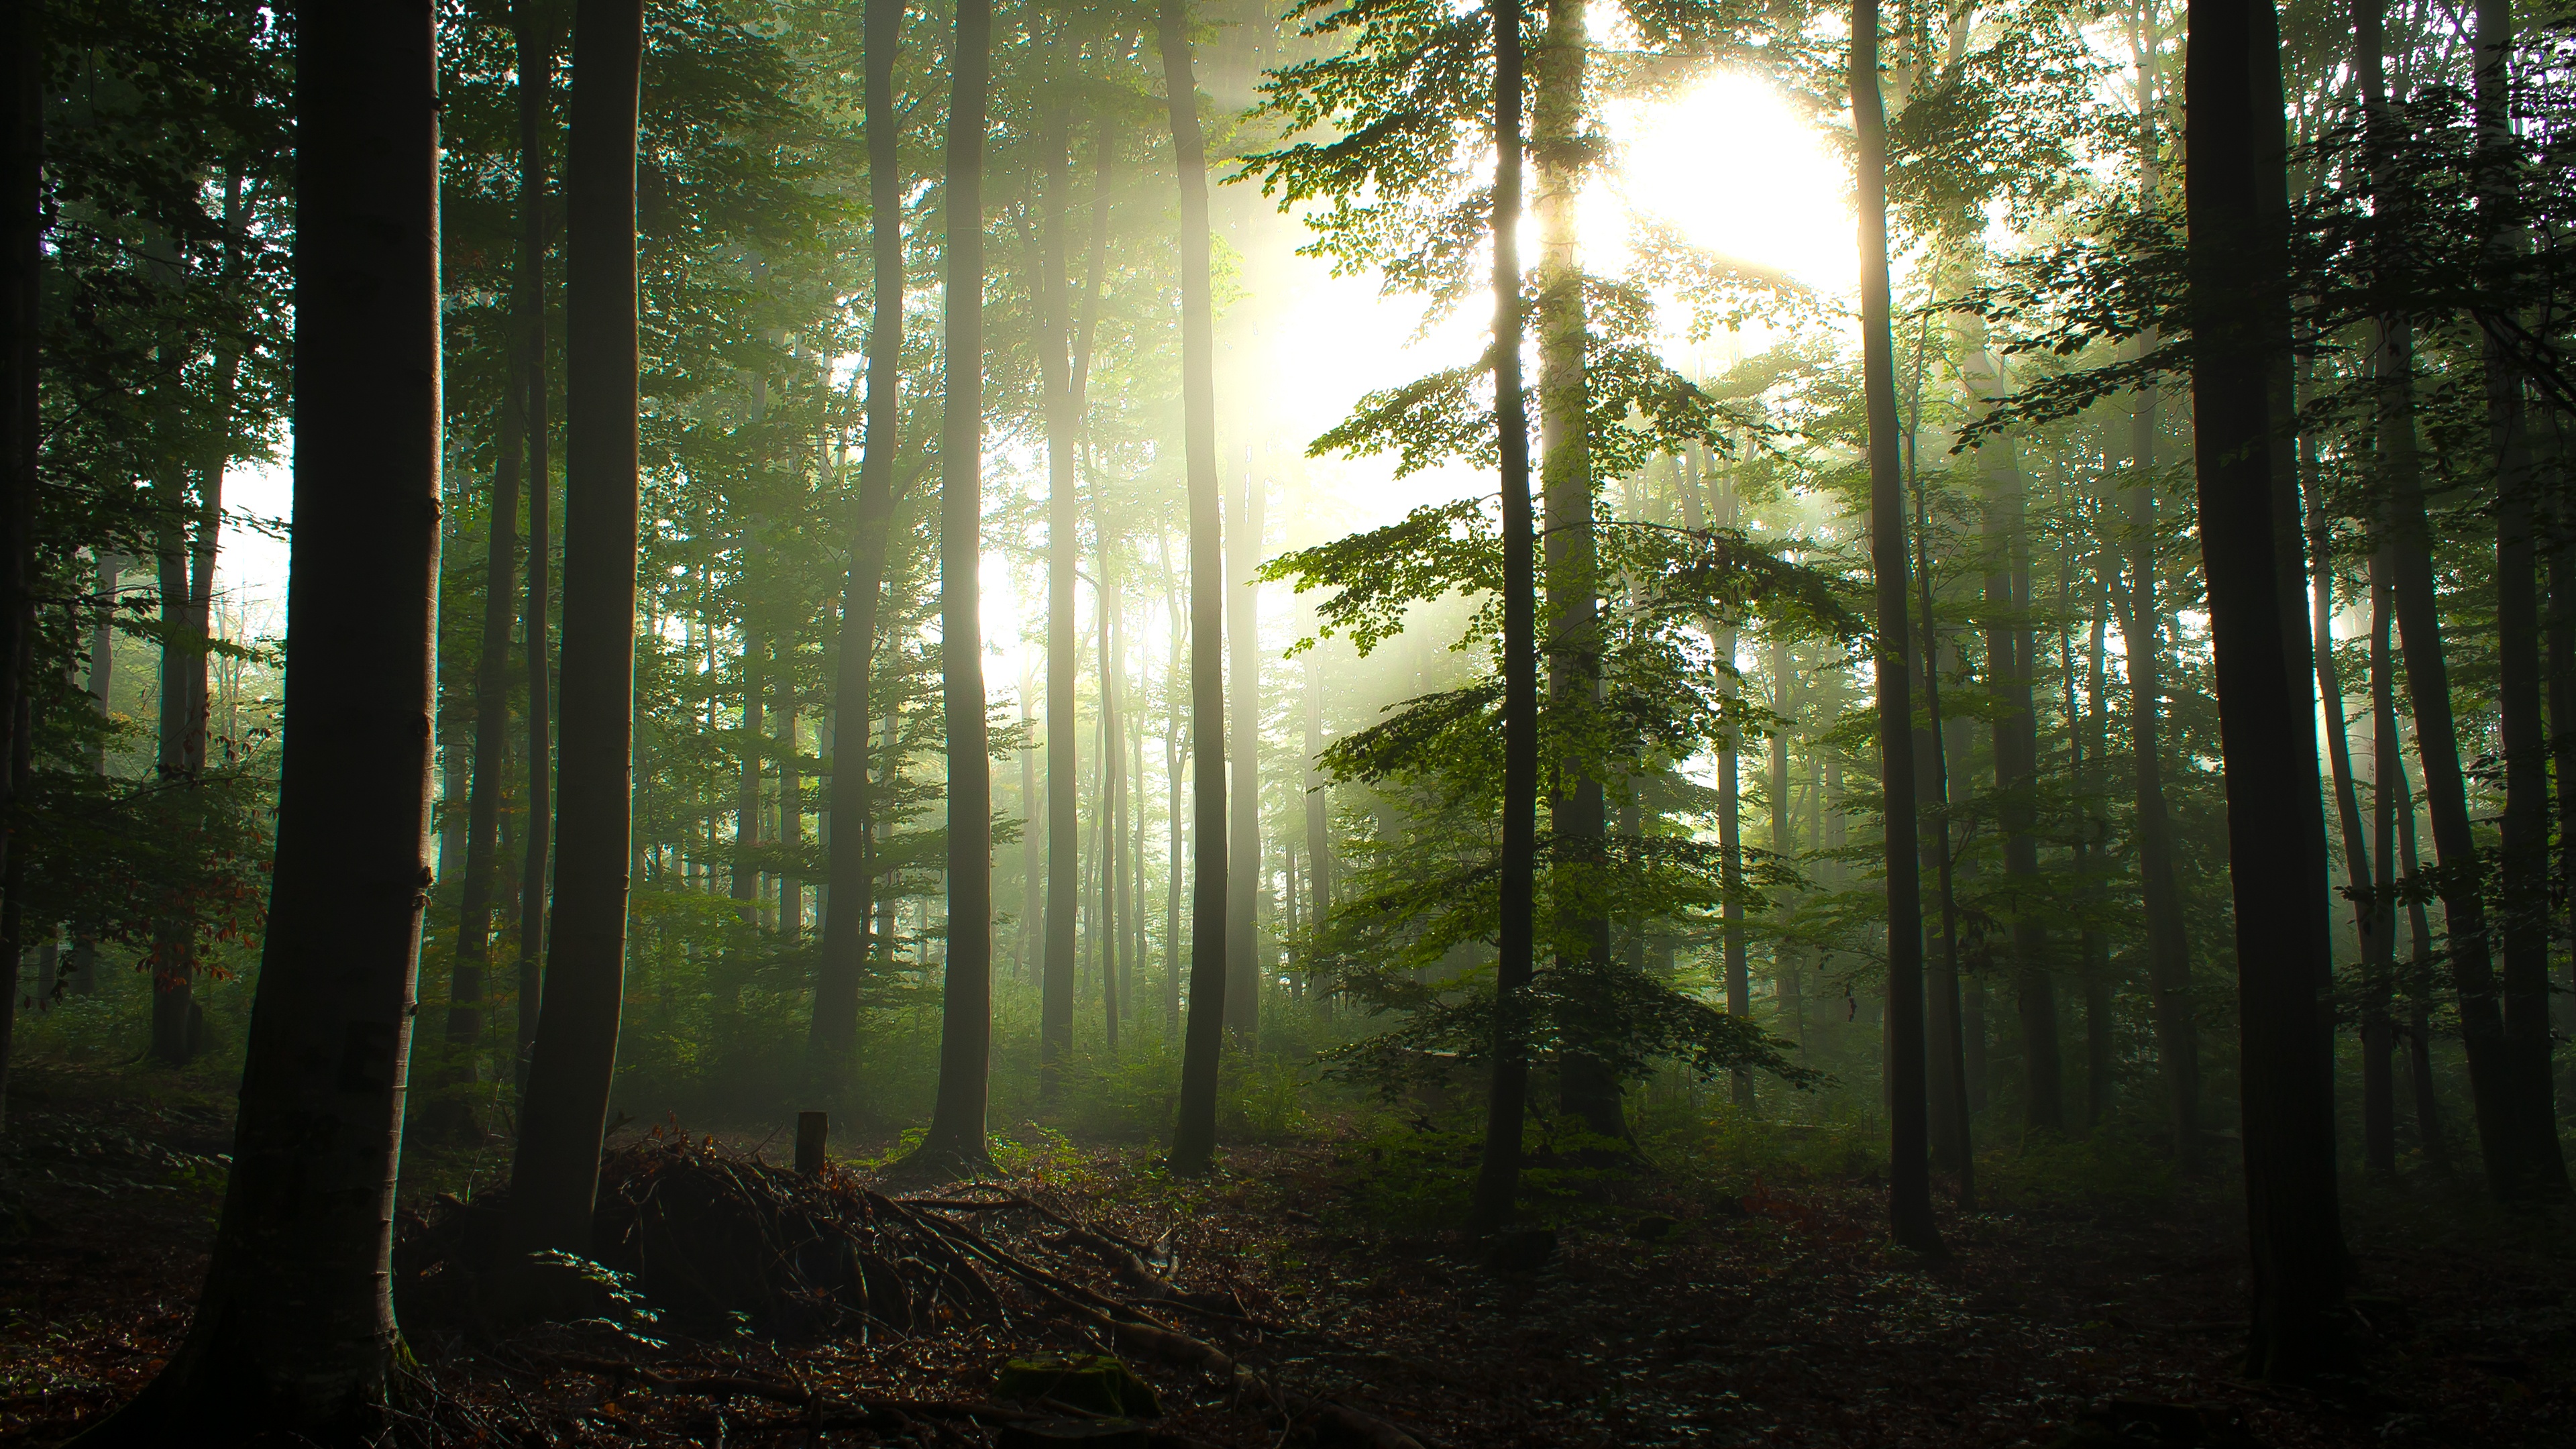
x,y
1194,1136
791,794
2419,986
1244,971
1730,830
2356,852
1104,834
2009,666
742,877
2539,1167
1570,565
535,38
841,961
1507,1103
1319,845
1064,555
294,1333
2387,782
2168,946
2275,833
1173,757
483,797
2101,1030
555,1176
956,1136
1909,1165
22,233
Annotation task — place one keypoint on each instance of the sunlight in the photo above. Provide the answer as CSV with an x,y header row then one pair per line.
x,y
1742,172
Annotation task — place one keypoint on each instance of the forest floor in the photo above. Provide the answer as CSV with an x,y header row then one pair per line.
x,y
1673,1314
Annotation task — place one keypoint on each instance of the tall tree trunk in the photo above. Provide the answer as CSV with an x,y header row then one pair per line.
x,y
554,1177
2101,1030
534,35
1730,823
1104,834
1949,1109
1577,807
2378,972
2539,1167
742,881
2009,667
1319,845
1909,1164
791,794
2168,947
1194,1135
956,1136
2356,852
483,798
294,1333
1507,1101
2275,831
1244,967
22,113
1064,557
1173,757
841,961
2429,1137
2517,1160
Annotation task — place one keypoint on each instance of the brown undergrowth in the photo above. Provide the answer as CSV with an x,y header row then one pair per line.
x,y
1670,1314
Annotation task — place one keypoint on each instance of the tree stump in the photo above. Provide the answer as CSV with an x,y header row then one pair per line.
x,y
812,1128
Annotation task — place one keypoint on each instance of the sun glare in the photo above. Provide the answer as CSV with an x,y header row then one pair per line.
x,y
1741,171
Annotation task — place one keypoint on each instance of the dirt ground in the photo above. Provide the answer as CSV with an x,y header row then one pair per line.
x,y
1675,1318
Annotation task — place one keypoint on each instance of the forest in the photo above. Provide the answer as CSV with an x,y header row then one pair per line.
x,y
1419,724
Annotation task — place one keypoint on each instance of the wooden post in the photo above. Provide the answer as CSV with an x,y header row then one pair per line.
x,y
811,1130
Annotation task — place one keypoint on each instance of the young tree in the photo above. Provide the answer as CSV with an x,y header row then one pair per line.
x,y
2238,260
956,1137
294,1331
1064,553
1194,1135
554,1176
1243,645
1909,1162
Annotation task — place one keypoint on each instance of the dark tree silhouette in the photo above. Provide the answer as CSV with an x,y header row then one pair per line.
x,y
294,1333
22,113
835,1028
555,1174
1909,1124
956,1137
2275,824
1194,1136
536,30
1498,1175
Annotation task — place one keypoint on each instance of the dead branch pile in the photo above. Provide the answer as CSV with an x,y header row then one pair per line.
x,y
712,1240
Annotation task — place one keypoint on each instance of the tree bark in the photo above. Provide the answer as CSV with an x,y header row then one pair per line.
x,y
1909,1163
956,1137
2387,783
2275,831
1507,1102
2539,1167
1064,555
1244,968
22,113
841,960
2168,946
483,797
535,38
294,1331
555,1175
1194,1135
1319,844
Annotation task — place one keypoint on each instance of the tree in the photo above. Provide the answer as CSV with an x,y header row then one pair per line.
x,y
835,1028
1194,1135
2238,261
1244,973
294,1332
536,31
1498,1171
554,1176
1909,1130
22,232
956,1137
1064,552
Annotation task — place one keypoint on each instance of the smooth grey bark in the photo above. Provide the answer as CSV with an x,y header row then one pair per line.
x,y
1063,705
554,1176
294,1334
